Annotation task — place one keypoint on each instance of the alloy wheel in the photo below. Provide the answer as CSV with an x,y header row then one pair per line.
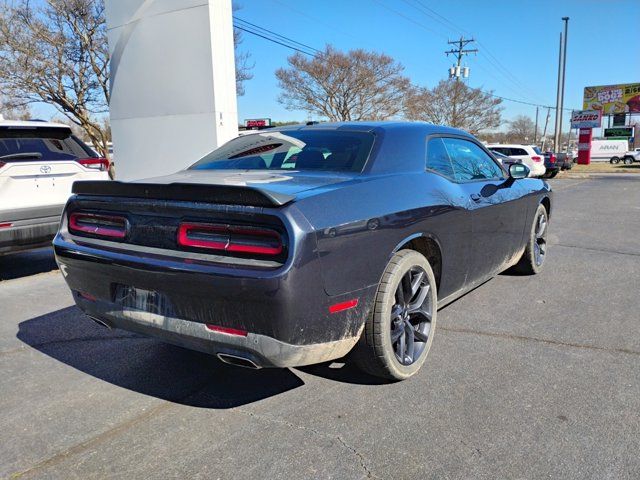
x,y
411,316
540,240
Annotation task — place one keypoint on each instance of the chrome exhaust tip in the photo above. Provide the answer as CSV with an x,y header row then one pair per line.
x,y
100,322
237,361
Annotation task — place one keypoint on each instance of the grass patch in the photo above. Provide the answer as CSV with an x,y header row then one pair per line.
x,y
605,167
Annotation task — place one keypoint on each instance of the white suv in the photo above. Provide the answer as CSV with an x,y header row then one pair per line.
x,y
530,155
39,162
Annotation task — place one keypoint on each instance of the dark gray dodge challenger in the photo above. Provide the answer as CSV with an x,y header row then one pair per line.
x,y
299,245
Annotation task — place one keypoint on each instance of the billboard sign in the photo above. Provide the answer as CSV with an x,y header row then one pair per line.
x,y
612,99
618,132
586,119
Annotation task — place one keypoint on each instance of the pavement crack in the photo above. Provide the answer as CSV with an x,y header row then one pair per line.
x,y
510,336
592,249
342,441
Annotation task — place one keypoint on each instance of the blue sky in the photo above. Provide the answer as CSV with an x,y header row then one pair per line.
x,y
519,36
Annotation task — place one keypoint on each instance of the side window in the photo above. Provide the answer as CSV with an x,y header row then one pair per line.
x,y
438,159
502,150
518,151
470,162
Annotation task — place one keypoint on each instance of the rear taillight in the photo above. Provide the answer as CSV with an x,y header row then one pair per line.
x,y
535,158
230,238
552,159
107,226
101,164
6,225
2,164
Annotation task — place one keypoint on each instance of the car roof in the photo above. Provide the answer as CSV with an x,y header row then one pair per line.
x,y
402,149
389,125
32,124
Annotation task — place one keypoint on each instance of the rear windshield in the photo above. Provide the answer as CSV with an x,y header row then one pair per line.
x,y
320,150
537,150
46,144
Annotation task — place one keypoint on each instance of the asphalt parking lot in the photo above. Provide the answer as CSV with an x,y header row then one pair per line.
x,y
528,377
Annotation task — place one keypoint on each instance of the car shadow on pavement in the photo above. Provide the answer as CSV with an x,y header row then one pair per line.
x,y
150,367
24,264
343,370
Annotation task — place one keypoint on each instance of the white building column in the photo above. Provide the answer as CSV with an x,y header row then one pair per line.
x,y
173,96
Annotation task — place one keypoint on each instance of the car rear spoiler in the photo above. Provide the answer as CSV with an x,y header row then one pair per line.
x,y
190,192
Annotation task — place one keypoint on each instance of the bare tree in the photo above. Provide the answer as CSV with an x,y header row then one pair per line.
x,y
56,52
10,111
357,85
521,130
455,104
242,59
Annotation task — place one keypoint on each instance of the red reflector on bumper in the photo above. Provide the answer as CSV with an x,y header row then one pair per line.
x,y
339,307
87,296
227,330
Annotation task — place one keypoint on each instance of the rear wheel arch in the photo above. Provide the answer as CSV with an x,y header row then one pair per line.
x,y
546,203
428,247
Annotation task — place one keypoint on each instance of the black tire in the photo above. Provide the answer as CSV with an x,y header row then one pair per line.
x,y
614,160
627,160
376,352
535,252
553,174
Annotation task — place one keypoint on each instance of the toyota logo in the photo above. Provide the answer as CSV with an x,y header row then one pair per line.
x,y
45,169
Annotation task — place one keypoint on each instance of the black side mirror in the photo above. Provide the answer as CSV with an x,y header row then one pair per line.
x,y
518,170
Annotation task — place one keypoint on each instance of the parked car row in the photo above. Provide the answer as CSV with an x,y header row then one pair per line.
x,y
530,155
556,162
39,162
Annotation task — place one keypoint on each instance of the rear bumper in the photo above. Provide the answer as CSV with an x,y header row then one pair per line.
x,y
285,310
260,350
30,227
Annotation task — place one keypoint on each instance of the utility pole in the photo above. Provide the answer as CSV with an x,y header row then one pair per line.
x,y
454,72
544,132
459,52
535,132
562,63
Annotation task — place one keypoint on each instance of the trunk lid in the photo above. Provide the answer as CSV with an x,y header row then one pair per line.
x,y
293,183
232,187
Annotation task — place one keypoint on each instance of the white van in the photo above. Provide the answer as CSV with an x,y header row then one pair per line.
x,y
604,150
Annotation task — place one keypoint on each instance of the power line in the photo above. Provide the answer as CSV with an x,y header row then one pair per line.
x,y
421,25
485,52
275,37
287,39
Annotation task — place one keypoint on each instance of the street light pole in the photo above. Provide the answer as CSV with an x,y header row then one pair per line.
x,y
564,69
560,95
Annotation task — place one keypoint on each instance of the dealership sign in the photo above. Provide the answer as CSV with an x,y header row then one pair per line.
x,y
257,123
612,99
586,119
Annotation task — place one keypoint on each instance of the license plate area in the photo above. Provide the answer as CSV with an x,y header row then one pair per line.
x,y
135,300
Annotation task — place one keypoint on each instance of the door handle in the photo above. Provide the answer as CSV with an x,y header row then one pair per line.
x,y
475,197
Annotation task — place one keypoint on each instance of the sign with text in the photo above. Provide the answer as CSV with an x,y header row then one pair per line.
x,y
612,99
257,123
584,146
619,119
586,119
618,132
